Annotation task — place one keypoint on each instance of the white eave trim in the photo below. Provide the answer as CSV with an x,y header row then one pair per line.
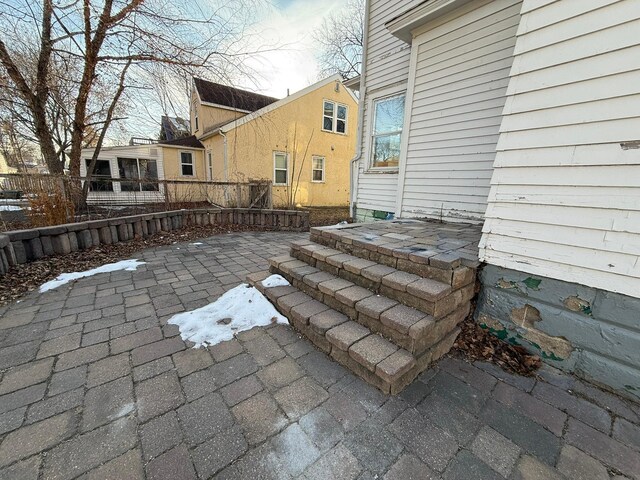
x,y
406,23
258,113
223,107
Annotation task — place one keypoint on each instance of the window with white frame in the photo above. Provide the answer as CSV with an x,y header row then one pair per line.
x,y
334,117
139,175
187,169
388,118
209,165
317,169
280,168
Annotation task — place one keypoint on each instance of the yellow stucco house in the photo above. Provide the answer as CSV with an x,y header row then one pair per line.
x,y
303,144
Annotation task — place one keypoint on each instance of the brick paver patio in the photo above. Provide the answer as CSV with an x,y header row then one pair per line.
x,y
95,385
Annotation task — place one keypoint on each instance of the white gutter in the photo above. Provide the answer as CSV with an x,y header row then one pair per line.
x,y
353,181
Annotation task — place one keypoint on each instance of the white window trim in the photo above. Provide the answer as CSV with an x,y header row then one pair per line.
x,y
193,164
335,117
286,156
209,165
386,93
324,168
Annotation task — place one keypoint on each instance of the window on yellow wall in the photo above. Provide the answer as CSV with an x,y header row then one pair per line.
x,y
317,169
186,164
334,117
280,168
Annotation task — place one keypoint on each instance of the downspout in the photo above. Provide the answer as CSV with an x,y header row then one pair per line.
x,y
224,157
225,167
353,183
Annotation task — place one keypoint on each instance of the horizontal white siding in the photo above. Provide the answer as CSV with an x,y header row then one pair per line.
x,y
462,74
565,196
387,64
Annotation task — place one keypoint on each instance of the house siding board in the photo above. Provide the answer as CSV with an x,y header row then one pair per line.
x,y
565,197
387,64
462,76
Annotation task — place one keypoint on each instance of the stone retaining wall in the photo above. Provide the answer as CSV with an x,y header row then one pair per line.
x,y
24,246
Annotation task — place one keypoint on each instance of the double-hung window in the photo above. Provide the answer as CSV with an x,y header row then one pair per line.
x,y
334,117
187,168
280,168
317,169
388,119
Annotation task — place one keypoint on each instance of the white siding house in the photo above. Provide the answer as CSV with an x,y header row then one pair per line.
x,y
565,191
523,115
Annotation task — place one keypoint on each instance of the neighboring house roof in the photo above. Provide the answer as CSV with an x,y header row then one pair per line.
x,y
174,127
231,97
258,113
190,141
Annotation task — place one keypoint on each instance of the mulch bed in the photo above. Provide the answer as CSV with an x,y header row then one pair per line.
x,y
322,216
28,277
475,343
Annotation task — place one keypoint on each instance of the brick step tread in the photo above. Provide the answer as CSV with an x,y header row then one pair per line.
x,y
427,295
407,327
445,266
366,353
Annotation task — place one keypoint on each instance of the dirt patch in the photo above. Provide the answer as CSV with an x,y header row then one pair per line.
x,y
476,343
28,277
322,216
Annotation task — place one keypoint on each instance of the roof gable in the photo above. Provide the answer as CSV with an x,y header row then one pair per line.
x,y
231,97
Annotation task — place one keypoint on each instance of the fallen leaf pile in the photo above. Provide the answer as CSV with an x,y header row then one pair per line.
x,y
28,277
475,343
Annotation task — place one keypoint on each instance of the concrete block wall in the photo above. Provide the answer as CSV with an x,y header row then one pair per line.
x,y
590,332
24,246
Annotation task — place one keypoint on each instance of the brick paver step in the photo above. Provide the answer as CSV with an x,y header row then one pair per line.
x,y
406,327
427,295
420,250
368,354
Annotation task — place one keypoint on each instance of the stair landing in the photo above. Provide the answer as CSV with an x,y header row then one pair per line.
x,y
383,299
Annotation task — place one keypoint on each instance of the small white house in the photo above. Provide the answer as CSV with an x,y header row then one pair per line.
x,y
523,115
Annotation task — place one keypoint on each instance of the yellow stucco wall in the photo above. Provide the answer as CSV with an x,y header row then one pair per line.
x,y
296,129
4,167
171,163
209,116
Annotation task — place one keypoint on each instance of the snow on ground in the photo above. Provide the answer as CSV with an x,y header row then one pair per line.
x,y
239,309
9,208
275,281
64,278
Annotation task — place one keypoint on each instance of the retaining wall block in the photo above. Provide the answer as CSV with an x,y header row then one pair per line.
x,y
130,231
35,247
123,234
3,260
105,236
19,251
95,236
137,229
73,241
114,233
47,245
165,224
84,239
61,244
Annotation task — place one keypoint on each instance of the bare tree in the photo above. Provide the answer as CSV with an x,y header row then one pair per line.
x,y
341,40
17,151
111,41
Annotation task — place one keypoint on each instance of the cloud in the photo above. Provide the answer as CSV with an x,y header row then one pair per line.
x,y
292,64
